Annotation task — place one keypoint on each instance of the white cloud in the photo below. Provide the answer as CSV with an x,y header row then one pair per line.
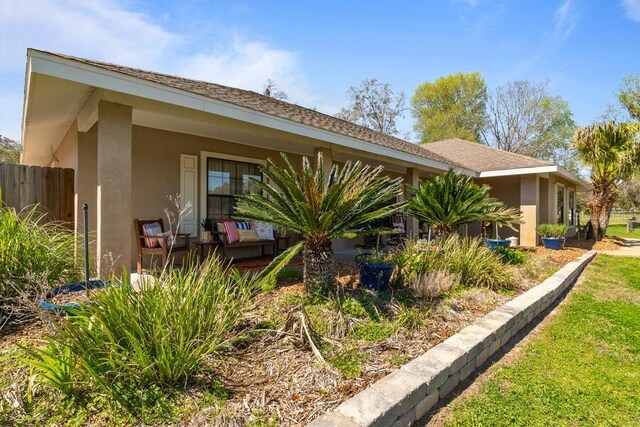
x,y
98,29
565,20
632,7
106,30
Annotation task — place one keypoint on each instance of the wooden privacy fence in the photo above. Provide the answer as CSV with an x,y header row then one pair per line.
x,y
52,188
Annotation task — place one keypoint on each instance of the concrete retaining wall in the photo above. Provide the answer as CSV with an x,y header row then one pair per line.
x,y
407,394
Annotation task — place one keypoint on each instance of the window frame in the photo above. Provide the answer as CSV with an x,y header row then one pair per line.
x,y
571,211
564,203
204,171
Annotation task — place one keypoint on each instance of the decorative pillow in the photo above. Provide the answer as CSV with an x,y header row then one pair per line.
x,y
232,231
247,235
170,240
151,229
221,231
264,230
243,225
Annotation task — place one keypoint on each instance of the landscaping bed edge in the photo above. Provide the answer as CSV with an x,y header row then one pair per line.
x,y
408,393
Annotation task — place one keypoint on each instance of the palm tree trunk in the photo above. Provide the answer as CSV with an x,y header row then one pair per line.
x,y
595,222
319,264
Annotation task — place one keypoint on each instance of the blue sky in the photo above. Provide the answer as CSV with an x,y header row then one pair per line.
x,y
316,50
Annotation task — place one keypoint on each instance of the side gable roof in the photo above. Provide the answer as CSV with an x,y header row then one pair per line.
x,y
479,157
267,105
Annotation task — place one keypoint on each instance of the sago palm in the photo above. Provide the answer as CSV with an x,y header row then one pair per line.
x,y
320,208
450,200
612,151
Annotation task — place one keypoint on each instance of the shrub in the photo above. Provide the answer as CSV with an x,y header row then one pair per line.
x,y
552,230
128,341
33,252
511,256
476,264
433,283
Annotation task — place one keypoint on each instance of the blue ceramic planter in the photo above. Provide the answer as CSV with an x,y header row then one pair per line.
x,y
555,243
375,276
69,288
497,243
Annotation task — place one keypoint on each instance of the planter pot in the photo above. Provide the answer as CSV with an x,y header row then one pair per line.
x,y
205,236
375,275
555,243
44,302
496,243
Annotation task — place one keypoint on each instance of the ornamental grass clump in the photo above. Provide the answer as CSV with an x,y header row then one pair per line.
x,y
465,259
128,341
33,253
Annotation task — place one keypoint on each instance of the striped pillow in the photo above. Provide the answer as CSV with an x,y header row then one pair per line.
x,y
232,231
151,229
243,225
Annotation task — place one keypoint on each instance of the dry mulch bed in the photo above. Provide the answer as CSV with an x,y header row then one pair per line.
x,y
278,379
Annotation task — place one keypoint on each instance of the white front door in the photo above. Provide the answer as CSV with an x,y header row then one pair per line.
x,y
189,193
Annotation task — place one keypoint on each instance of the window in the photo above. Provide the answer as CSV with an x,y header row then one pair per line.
x,y
560,204
226,179
572,207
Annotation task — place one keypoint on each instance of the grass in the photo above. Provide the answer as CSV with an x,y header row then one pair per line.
x,y
620,230
583,369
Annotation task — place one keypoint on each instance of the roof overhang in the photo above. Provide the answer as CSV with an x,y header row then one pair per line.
x,y
92,77
581,185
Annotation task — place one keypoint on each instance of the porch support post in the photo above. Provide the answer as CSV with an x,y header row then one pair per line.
x,y
530,206
412,178
327,159
114,204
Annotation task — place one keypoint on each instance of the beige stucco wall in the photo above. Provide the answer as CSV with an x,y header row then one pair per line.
x,y
66,156
507,190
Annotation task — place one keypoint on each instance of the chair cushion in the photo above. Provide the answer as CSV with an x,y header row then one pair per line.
x,y
247,235
170,239
264,230
232,231
151,229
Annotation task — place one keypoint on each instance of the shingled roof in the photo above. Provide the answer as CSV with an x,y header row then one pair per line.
x,y
267,105
480,158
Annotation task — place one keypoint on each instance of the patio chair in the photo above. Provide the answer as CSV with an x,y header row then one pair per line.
x,y
165,245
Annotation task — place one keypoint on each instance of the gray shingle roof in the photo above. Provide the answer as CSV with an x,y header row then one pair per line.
x,y
480,158
267,105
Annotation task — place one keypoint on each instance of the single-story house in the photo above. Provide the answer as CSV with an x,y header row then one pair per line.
x,y
134,137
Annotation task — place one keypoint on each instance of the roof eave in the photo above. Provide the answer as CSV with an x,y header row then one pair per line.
x,y
581,185
68,69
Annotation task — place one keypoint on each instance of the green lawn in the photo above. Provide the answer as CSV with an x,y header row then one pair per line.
x,y
620,230
583,369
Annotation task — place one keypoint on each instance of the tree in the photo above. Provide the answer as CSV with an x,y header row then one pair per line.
x,y
320,208
629,194
273,91
612,151
450,200
374,104
9,150
524,118
451,107
629,96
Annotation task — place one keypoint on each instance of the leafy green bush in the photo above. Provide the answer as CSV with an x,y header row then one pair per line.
x,y
511,256
552,230
128,341
476,264
33,253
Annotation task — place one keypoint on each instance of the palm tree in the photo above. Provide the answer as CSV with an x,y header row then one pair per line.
x,y
320,208
450,200
612,151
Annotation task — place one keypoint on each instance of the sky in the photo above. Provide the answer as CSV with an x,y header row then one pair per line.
x,y
315,51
